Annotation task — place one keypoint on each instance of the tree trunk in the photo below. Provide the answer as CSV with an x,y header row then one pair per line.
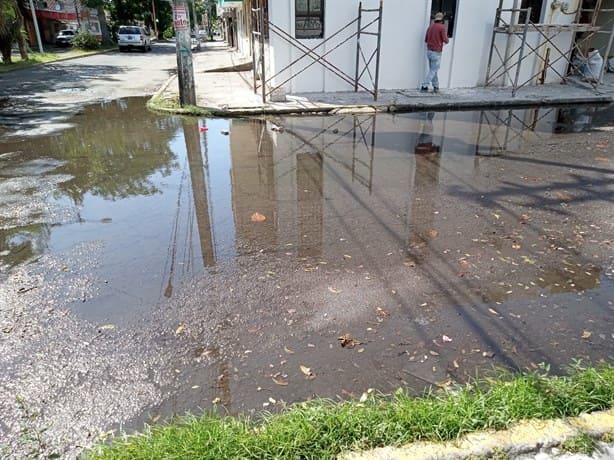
x,y
20,32
104,29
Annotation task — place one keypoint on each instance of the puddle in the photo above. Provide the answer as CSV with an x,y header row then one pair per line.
x,y
231,252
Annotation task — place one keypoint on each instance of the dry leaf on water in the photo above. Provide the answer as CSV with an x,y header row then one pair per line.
x,y
586,334
280,381
307,371
347,341
257,217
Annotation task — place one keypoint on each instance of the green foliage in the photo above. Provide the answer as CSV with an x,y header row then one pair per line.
x,y
580,444
322,429
168,33
86,41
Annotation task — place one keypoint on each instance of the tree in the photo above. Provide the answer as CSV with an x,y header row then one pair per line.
x,y
11,30
99,6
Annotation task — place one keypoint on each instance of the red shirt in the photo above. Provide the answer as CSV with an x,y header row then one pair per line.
x,y
436,36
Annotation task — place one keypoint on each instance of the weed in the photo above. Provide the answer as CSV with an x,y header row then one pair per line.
x,y
580,444
608,437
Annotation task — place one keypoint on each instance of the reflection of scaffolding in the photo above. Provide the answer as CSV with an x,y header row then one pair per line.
x,y
496,132
363,134
260,25
515,24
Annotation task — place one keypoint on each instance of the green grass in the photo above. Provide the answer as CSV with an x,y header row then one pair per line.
x,y
38,58
580,444
322,429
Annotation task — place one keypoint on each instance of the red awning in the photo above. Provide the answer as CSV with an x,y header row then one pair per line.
x,y
57,15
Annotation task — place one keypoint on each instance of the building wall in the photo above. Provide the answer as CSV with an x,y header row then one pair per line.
x,y
403,53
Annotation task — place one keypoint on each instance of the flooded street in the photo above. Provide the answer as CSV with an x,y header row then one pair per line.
x,y
153,265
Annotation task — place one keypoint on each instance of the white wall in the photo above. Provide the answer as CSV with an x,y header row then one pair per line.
x,y
403,52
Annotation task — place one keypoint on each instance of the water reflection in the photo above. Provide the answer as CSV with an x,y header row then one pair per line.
x,y
112,153
172,198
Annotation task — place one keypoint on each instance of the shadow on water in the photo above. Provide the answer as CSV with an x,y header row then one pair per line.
x,y
442,242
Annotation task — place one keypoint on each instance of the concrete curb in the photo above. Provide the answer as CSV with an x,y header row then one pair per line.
x,y
524,437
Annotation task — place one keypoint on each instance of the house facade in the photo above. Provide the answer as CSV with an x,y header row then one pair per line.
x,y
301,32
56,15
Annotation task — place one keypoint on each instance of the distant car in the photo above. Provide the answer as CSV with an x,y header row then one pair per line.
x,y
133,37
64,38
194,42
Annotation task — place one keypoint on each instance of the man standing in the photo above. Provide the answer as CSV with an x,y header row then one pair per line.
x,y
436,37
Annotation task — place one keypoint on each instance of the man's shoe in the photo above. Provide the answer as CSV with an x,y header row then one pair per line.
x,y
424,89
435,90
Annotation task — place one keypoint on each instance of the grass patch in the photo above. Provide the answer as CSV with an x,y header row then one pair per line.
x,y
580,444
322,429
44,58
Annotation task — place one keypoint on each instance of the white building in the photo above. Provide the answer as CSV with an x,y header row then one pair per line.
x,y
328,28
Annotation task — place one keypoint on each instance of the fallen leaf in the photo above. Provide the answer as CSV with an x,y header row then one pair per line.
x,y
601,159
257,217
347,256
563,196
272,400
586,334
433,352
347,341
333,290
279,381
493,311
433,233
455,364
108,327
381,312
287,350
180,329
516,246
216,401
364,397
307,371
488,354
446,338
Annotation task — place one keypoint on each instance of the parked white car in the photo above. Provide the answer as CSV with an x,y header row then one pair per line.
x,y
133,37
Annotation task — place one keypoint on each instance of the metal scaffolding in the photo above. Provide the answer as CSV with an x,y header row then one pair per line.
x,y
368,22
514,23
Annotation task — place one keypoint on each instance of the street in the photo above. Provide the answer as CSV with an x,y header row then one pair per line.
x,y
40,99
155,264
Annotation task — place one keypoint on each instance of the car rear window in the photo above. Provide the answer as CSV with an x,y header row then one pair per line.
x,y
129,30
66,32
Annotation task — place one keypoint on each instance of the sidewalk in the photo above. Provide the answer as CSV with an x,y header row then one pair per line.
x,y
224,86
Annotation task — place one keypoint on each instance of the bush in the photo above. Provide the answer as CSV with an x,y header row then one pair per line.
x,y
168,33
85,41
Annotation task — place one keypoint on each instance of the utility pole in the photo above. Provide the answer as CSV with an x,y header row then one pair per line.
x,y
155,21
38,33
185,69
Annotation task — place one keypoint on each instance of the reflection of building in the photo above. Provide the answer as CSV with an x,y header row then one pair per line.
x,y
253,185
309,185
56,15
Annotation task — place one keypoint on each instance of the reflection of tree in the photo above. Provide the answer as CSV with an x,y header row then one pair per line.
x,y
113,151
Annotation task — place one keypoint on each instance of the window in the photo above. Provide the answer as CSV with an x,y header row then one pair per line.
x,y
536,11
309,18
448,8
